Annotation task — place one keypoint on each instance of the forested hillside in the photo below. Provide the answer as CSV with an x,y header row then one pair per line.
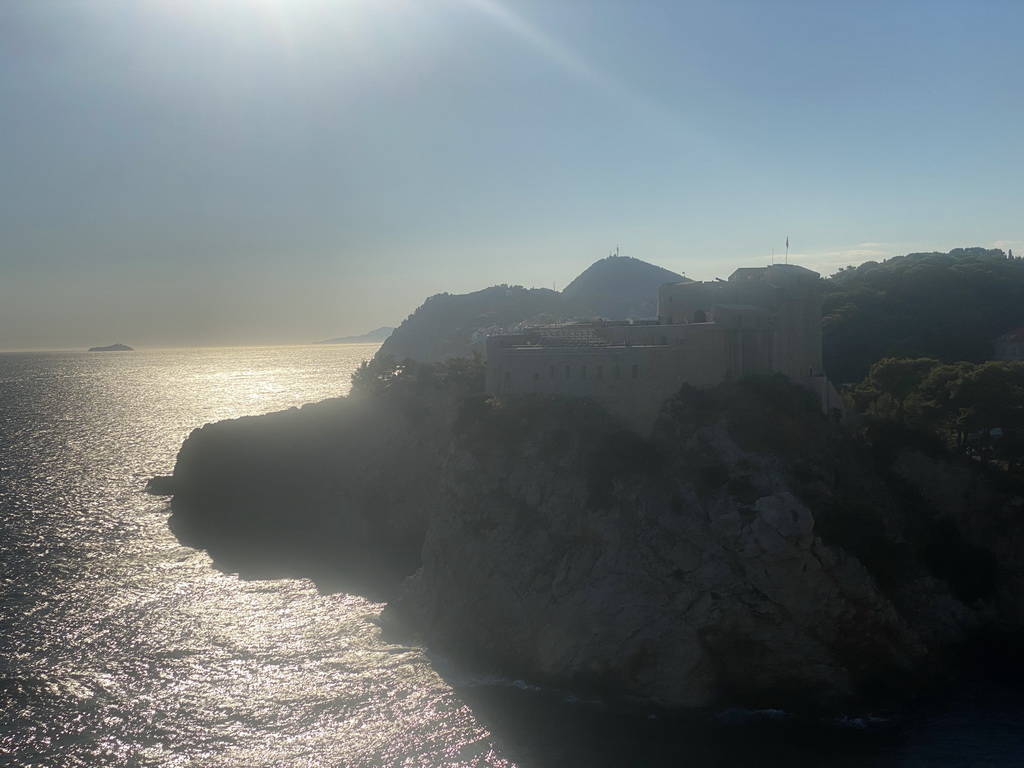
x,y
454,325
946,306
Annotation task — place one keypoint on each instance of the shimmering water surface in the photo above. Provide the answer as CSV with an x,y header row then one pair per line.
x,y
120,647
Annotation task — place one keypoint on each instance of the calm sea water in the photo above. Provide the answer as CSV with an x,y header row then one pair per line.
x,y
120,647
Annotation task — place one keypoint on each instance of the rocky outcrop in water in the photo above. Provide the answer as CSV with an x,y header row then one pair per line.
x,y
749,552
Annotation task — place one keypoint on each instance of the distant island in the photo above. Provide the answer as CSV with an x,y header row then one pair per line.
x,y
112,348
376,336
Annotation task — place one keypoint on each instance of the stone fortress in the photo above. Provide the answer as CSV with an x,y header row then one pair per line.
x,y
760,321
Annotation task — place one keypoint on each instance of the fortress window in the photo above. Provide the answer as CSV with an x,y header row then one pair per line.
x,y
700,316
508,377
635,372
664,339
567,373
616,372
551,372
583,371
600,371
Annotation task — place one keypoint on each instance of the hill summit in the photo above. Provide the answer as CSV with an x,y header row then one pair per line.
x,y
621,287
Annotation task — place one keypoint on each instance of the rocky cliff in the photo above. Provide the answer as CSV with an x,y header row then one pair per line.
x,y
341,489
749,552
685,570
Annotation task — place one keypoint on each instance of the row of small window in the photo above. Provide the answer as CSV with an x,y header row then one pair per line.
x,y
634,372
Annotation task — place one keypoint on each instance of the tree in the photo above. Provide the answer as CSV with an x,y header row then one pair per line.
x,y
968,406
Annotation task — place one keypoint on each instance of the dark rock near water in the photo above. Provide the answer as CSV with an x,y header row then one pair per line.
x,y
682,571
750,552
340,490
161,485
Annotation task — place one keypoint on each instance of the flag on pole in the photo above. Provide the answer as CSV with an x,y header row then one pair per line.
x,y
787,241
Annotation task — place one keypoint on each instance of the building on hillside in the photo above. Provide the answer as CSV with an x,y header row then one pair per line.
x,y
1010,346
760,320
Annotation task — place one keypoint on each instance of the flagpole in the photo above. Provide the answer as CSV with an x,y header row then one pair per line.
x,y
787,249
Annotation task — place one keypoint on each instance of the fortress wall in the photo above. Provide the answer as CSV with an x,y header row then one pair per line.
x,y
762,320
630,381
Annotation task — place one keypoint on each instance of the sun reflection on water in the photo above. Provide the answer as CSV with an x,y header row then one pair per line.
x,y
122,648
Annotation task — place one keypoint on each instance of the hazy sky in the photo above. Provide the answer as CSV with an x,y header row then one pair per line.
x,y
282,171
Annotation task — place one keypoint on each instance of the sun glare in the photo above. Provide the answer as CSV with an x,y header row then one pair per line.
x,y
551,49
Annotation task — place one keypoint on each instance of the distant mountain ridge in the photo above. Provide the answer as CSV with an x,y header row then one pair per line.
x,y
374,336
447,325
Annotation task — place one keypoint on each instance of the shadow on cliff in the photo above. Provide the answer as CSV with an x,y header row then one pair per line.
x,y
374,570
749,552
338,491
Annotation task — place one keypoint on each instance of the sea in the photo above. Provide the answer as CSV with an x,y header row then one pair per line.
x,y
121,647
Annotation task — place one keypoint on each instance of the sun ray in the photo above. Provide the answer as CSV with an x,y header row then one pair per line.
x,y
554,51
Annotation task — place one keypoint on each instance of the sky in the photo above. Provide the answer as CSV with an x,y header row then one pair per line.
x,y
228,172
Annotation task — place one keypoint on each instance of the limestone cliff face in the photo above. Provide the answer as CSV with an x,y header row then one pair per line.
x,y
687,570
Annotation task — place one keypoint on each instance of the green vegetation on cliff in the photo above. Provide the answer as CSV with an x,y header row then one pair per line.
x,y
963,406
947,306
385,373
